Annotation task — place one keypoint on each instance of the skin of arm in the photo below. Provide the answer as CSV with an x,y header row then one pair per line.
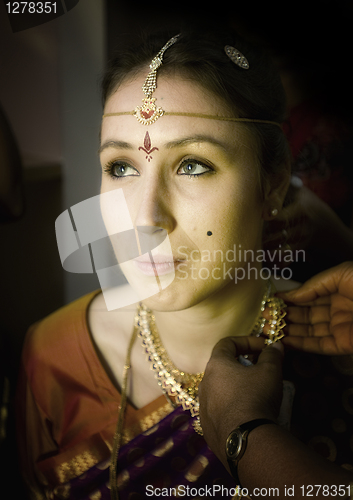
x,y
231,394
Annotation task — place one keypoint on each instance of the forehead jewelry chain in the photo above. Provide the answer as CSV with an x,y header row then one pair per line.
x,y
148,113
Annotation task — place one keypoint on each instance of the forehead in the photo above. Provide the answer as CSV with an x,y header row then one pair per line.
x,y
173,90
173,94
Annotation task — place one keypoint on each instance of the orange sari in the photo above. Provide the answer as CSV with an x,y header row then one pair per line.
x,y
68,406
68,409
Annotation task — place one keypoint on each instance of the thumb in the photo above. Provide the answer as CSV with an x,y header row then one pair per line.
x,y
272,355
231,347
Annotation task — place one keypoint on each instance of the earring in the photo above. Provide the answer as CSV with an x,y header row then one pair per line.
x,y
274,212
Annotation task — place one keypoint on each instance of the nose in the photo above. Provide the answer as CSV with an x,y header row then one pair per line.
x,y
154,214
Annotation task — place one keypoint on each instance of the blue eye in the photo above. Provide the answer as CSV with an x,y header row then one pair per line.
x,y
117,169
193,168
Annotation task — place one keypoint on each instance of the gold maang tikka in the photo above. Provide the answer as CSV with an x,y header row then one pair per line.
x,y
148,113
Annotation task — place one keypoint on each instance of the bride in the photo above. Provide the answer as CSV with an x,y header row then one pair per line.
x,y
202,164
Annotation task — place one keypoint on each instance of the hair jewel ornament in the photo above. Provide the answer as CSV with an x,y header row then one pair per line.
x,y
236,57
148,113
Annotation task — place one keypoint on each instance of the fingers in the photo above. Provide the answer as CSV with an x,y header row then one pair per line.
x,y
320,301
301,330
328,282
309,314
316,345
272,355
234,346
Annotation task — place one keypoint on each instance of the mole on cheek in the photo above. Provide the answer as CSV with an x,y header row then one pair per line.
x,y
209,233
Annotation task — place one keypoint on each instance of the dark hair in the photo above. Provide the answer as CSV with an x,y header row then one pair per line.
x,y
253,93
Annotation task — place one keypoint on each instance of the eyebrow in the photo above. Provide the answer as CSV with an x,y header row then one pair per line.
x,y
196,139
114,144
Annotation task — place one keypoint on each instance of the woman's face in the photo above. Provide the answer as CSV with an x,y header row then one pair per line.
x,y
188,176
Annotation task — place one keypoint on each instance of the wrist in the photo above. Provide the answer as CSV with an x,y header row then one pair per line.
x,y
229,425
236,443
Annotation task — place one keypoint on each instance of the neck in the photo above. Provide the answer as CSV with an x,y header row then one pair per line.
x,y
190,335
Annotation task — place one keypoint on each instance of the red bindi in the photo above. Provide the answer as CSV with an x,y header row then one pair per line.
x,y
147,147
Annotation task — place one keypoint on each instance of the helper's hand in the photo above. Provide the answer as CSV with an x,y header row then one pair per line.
x,y
231,394
320,313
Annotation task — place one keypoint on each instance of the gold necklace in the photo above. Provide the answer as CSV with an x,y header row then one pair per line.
x,y
189,381
276,322
172,386
181,385
165,379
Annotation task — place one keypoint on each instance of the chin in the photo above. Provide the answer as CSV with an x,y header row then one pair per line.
x,y
165,301
174,298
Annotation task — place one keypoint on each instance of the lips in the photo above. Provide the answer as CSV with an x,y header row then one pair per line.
x,y
162,264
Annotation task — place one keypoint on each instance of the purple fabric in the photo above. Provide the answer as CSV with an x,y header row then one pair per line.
x,y
169,455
